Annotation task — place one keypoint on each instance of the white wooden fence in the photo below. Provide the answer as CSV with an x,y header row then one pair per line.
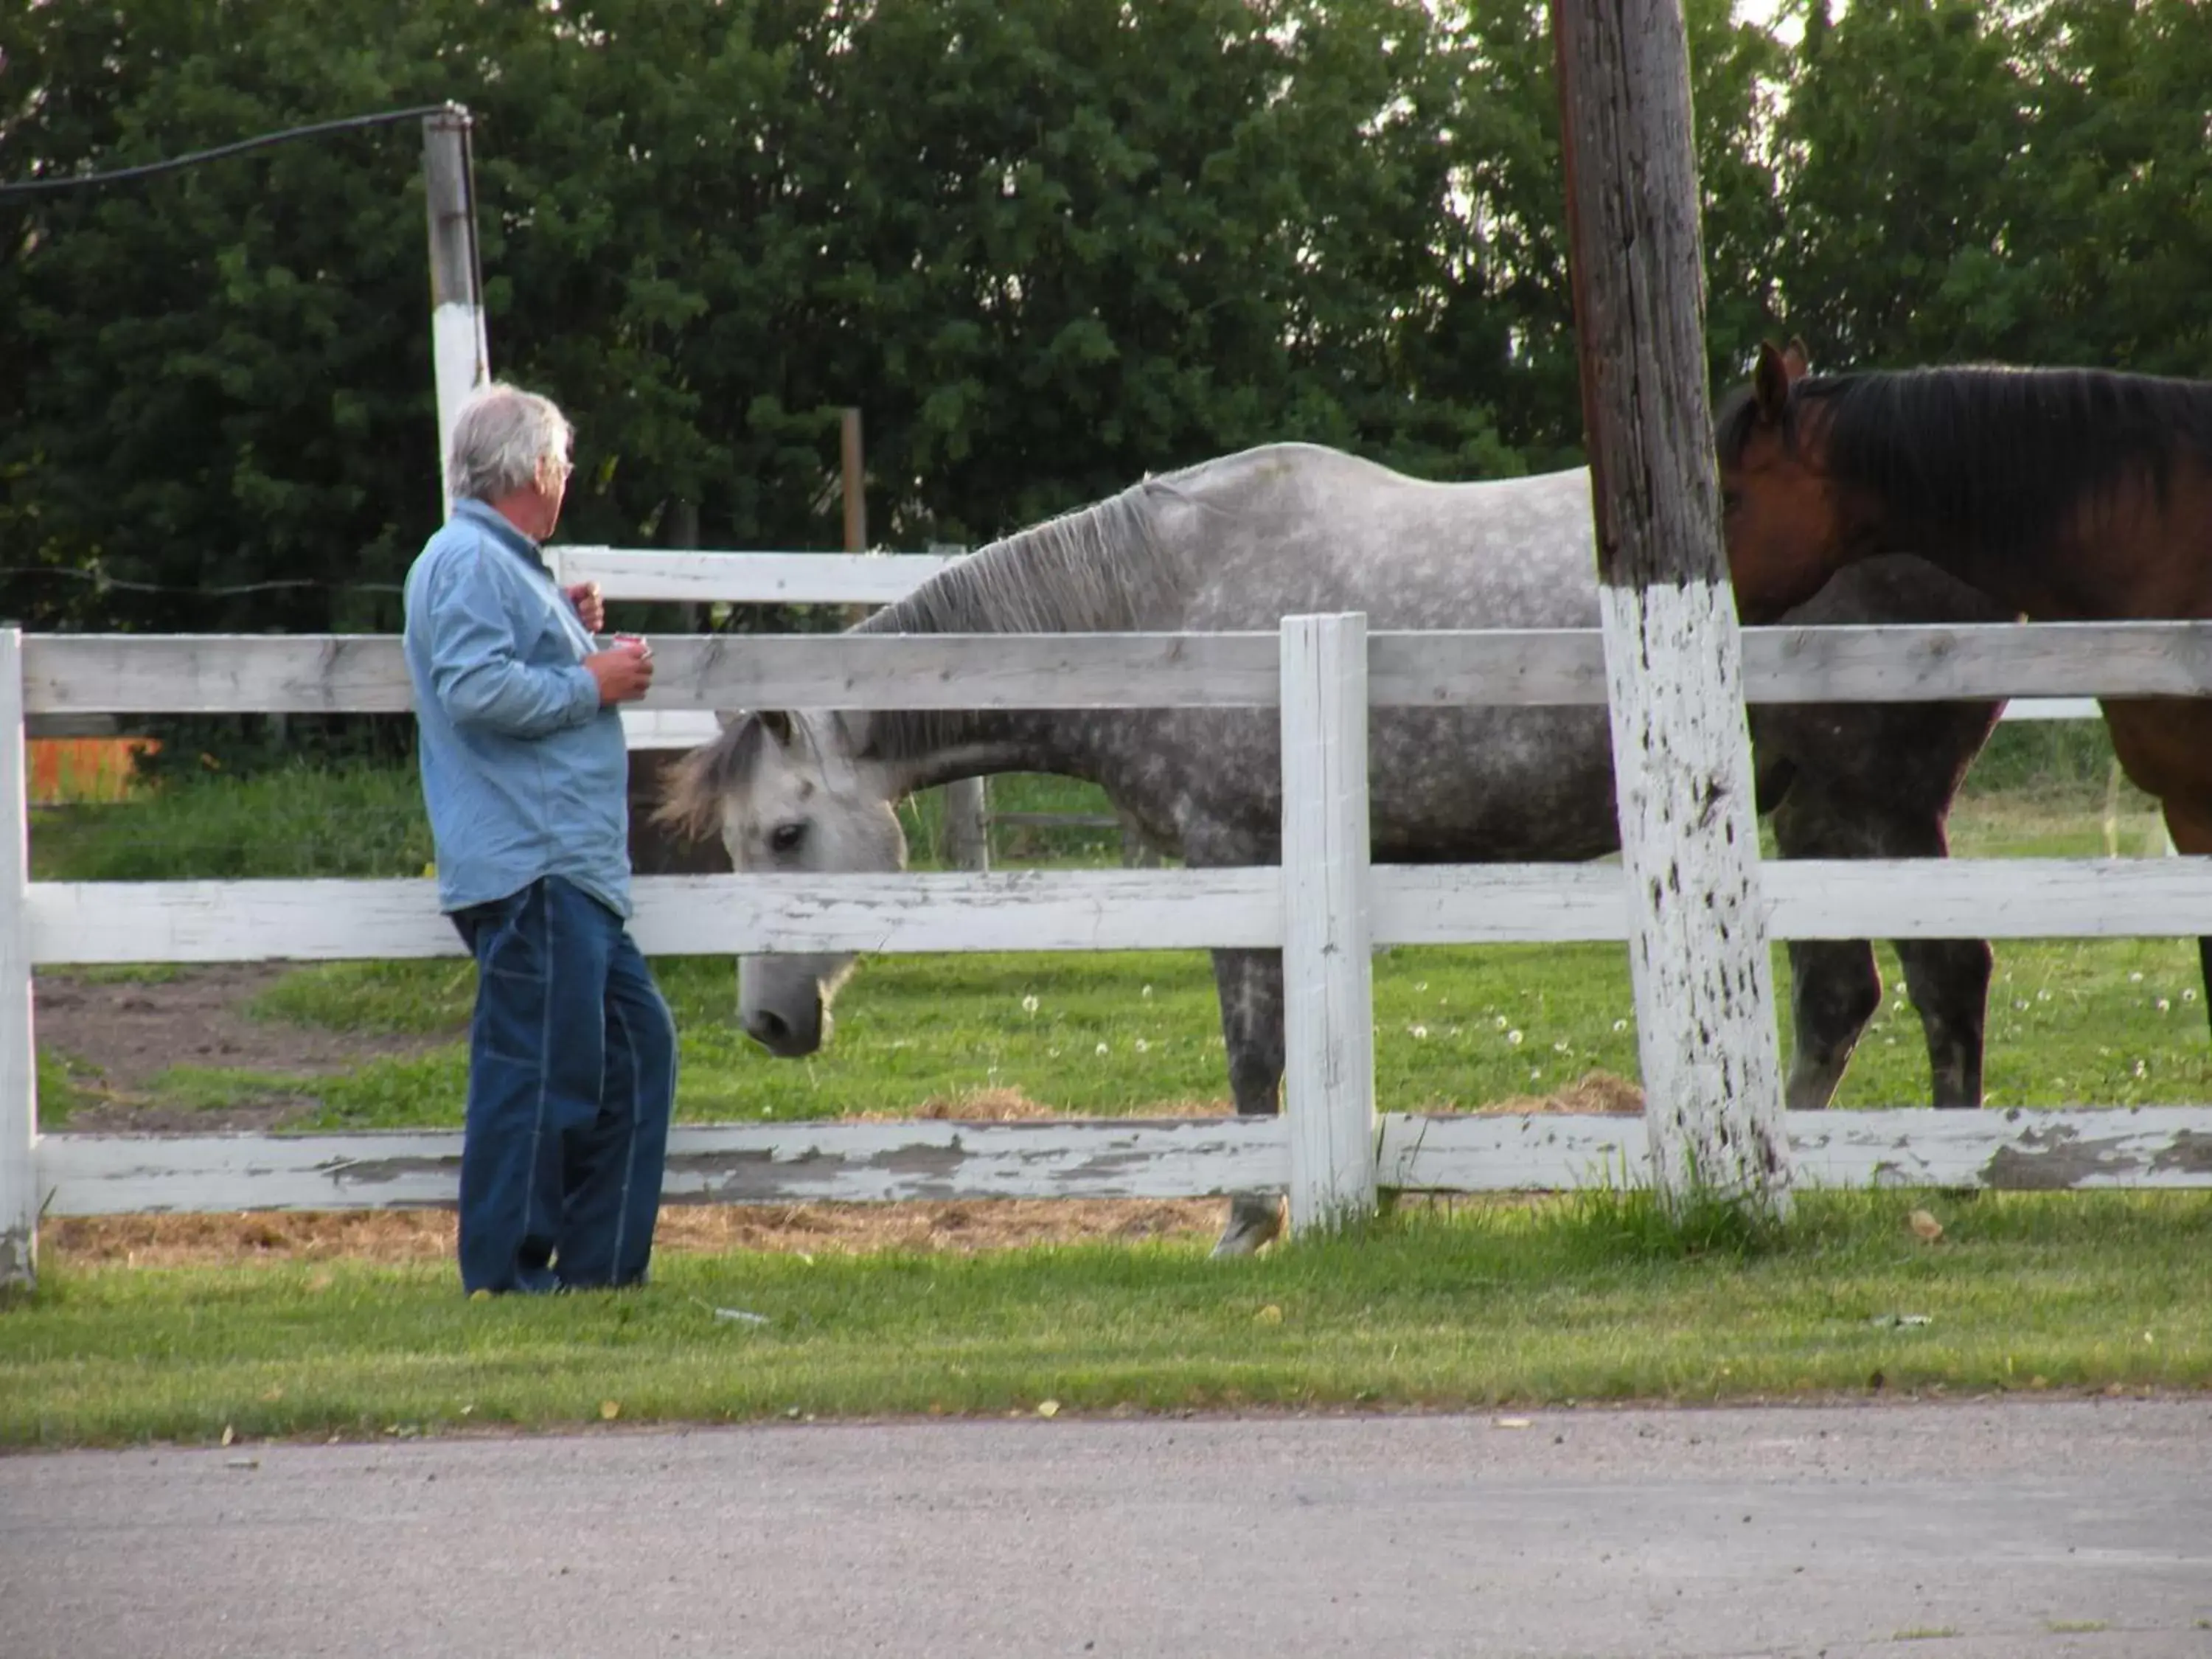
x,y
1324,907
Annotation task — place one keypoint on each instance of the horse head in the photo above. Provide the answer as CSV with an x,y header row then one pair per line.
x,y
1780,512
790,794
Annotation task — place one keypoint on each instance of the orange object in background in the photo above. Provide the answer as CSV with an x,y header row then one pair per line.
x,y
66,770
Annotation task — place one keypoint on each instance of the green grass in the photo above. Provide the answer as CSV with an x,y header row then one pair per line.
x,y
2070,1022
1577,1299
65,1084
347,821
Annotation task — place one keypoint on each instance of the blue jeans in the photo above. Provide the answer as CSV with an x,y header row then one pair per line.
x,y
572,1080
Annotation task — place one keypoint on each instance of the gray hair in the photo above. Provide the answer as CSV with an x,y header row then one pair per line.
x,y
503,438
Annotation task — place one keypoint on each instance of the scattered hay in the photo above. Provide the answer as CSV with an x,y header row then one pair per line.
x,y
401,1236
1599,1093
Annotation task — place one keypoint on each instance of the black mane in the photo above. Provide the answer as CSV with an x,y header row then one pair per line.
x,y
1990,459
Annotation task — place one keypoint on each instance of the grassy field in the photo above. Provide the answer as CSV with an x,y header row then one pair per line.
x,y
1483,1304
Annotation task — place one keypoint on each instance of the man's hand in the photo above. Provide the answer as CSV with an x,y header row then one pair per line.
x,y
585,596
624,674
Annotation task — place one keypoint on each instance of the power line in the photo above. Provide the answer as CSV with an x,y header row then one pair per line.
x,y
351,123
102,580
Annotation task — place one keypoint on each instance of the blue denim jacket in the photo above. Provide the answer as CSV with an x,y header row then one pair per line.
x,y
524,773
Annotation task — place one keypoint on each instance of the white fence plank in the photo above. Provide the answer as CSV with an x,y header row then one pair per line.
x,y
1329,1020
668,728
1815,899
2075,1148
19,1075
720,1163
1550,667
677,915
2032,1149
335,674
83,922
749,578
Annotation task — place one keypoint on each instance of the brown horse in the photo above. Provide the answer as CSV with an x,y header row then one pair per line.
x,y
2068,494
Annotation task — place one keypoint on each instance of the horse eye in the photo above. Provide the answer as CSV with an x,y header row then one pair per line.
x,y
1731,500
786,837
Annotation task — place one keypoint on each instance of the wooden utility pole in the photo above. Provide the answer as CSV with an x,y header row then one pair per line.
x,y
1689,829
460,353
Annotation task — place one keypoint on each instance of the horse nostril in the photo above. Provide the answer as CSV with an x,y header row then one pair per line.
x,y
769,1028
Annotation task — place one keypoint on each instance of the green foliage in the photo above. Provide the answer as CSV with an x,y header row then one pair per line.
x,y
1046,248
2027,184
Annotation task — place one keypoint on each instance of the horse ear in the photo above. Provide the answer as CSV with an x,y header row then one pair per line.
x,y
1797,358
776,724
727,718
1770,383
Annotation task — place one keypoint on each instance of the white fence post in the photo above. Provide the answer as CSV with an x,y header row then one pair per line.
x,y
19,1071
460,353
1329,1014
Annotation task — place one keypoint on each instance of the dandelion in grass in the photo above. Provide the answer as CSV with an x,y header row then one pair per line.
x,y
1419,1032
2135,979
1029,1005
1620,1025
1563,1046
2189,996
1101,1051
1146,994
1501,1022
2165,1005
1513,1039
1143,1047
1535,1075
2142,1070
1421,985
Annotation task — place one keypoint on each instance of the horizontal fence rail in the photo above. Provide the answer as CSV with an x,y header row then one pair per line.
x,y
364,674
747,578
83,923
858,579
2017,1150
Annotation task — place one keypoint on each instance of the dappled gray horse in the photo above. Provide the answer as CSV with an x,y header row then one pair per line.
x,y
1236,544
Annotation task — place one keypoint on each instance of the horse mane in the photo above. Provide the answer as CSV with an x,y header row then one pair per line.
x,y
1099,569
1990,457
691,796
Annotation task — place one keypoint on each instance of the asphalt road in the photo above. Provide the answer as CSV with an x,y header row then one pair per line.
x,y
1914,1532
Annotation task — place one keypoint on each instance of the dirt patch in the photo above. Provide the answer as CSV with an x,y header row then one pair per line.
x,y
119,1035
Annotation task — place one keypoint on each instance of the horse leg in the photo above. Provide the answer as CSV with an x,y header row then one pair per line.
x,y
1834,990
1949,981
2189,821
1250,984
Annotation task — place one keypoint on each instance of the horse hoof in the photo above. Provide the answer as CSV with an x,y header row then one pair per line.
x,y
1253,1220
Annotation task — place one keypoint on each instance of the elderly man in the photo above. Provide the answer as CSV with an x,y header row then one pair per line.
x,y
572,1052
